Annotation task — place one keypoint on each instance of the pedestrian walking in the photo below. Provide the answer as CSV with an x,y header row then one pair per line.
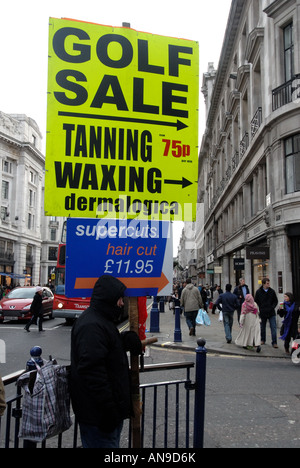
x,y
216,294
175,301
191,301
249,334
267,301
2,398
203,293
229,303
36,309
290,313
241,292
100,383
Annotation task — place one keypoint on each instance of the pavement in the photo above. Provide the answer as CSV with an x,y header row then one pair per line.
x,y
214,336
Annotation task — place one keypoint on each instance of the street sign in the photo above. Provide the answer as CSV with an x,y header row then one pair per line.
x,y
239,264
122,123
139,253
257,253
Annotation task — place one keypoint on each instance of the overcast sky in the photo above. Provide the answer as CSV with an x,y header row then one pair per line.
x,y
24,40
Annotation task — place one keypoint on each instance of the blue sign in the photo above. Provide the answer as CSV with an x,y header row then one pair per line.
x,y
134,251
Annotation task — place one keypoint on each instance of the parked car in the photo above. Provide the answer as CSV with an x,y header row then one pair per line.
x,y
16,304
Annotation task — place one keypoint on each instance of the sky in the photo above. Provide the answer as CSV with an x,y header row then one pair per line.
x,y
24,42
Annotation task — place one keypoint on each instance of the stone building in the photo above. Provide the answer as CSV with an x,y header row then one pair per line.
x,y
249,171
28,239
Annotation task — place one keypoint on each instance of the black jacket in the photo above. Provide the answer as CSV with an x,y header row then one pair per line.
x,y
238,291
266,301
293,331
36,307
229,302
100,384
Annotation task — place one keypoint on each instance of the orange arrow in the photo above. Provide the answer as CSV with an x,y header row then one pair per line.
x,y
130,283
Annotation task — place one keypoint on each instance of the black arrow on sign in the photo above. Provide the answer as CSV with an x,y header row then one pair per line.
x,y
183,182
179,125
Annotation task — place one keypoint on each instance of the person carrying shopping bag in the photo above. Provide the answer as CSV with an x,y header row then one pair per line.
x,y
191,301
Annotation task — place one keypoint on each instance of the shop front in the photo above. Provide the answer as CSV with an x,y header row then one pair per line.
x,y
260,263
293,232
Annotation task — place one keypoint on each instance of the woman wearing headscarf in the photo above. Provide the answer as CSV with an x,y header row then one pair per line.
x,y
289,328
249,334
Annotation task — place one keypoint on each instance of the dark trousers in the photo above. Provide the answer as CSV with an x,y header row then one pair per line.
x,y
273,327
93,437
191,319
34,319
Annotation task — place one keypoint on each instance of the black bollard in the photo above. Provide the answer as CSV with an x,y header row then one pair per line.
x,y
201,353
154,317
177,330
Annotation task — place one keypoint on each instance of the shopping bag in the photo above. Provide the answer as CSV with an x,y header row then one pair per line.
x,y
203,318
199,318
46,403
206,318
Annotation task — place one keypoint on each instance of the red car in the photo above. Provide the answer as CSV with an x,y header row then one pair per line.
x,y
16,305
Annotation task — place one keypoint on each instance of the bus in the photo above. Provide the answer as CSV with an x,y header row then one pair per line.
x,y
69,308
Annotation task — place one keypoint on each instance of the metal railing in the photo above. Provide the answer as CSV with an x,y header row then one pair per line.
x,y
244,144
286,93
167,405
256,122
166,419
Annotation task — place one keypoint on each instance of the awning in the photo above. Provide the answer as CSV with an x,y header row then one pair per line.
x,y
15,275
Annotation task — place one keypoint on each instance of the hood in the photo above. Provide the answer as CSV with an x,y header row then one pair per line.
x,y
189,286
106,293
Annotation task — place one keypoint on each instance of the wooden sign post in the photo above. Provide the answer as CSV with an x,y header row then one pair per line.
x,y
135,374
135,377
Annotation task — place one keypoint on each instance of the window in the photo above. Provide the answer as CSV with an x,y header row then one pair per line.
x,y
7,167
292,156
288,43
30,221
4,213
29,254
10,248
52,253
5,188
32,177
32,197
53,234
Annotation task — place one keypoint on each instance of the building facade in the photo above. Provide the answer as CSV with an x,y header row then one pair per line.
x,y
28,239
249,163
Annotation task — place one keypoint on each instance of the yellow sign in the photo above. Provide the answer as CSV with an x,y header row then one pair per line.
x,y
122,123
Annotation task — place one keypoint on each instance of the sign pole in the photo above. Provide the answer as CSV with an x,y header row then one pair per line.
x,y
135,377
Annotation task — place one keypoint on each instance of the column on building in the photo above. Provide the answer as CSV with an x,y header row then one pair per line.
x,y
261,188
20,256
226,271
36,265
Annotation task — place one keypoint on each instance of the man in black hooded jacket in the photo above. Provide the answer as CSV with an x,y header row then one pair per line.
x,y
100,382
